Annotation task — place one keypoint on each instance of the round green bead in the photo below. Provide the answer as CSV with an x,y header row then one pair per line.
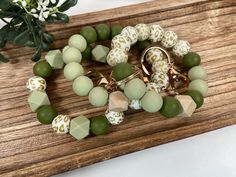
x,y
103,31
89,34
197,72
191,59
151,101
42,69
82,85
46,114
115,30
135,89
71,54
171,107
99,125
78,41
196,96
98,96
73,70
121,71
199,85
141,45
87,53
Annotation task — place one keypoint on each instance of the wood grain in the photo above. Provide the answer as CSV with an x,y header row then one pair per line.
x,y
31,149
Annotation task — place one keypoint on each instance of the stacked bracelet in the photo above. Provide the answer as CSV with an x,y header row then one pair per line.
x,y
127,86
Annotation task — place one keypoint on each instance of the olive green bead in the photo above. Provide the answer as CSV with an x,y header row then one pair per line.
x,y
171,107
141,45
191,59
71,55
98,96
87,53
89,34
82,85
99,125
78,41
199,85
151,101
103,31
73,70
46,114
135,89
121,71
42,69
115,30
196,96
197,72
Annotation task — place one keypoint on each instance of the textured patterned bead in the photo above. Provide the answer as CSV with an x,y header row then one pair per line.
x,y
131,33
114,118
153,86
36,83
135,104
156,33
121,41
181,48
61,124
143,31
169,39
160,65
154,55
116,56
161,79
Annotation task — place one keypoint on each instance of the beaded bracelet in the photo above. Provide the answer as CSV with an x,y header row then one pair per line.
x,y
127,85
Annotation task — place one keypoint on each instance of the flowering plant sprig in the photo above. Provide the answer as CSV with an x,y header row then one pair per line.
x,y
28,18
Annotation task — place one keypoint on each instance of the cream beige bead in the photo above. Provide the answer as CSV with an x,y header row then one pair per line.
x,y
61,124
169,39
160,65
122,42
118,102
156,33
181,48
161,79
36,83
131,33
143,31
188,105
116,56
154,55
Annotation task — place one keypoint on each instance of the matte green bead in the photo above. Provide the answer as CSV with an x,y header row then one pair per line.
x,y
73,70
89,34
54,58
196,96
79,127
199,85
191,59
87,54
135,89
78,41
42,69
197,72
103,31
82,85
46,114
100,53
71,55
98,96
37,99
171,107
115,30
141,45
121,71
99,125
151,101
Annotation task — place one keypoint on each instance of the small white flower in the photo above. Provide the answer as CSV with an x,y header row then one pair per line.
x,y
24,3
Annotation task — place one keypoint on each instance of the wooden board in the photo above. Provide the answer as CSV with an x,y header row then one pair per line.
x,y
30,149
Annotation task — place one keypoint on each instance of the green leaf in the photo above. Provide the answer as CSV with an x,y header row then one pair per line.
x,y
51,19
67,5
30,44
62,17
37,55
11,35
3,59
48,37
5,4
16,21
22,38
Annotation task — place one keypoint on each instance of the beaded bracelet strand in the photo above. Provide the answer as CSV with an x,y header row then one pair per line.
x,y
127,85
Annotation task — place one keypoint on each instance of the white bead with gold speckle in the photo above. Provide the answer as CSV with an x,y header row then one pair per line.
x,y
154,55
153,86
160,65
161,79
116,56
61,124
181,48
135,104
156,33
143,31
131,33
169,39
121,41
36,83
114,118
